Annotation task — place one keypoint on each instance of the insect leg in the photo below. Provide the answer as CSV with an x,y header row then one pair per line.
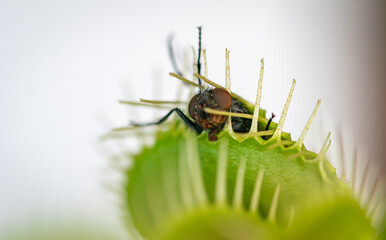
x,y
269,121
171,54
268,124
184,118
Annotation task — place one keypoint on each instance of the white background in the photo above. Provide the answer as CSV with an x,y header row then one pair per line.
x,y
64,64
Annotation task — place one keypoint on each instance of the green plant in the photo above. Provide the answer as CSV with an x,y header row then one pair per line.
x,y
258,185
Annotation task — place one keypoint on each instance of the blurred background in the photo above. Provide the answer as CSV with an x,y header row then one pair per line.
x,y
64,65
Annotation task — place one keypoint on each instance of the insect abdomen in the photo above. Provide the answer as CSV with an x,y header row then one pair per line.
x,y
240,124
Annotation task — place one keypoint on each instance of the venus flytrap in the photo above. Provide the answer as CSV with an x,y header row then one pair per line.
x,y
255,185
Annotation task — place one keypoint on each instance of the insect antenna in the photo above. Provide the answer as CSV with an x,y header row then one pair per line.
x,y
199,54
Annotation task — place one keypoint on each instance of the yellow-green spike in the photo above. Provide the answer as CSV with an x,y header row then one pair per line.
x,y
239,186
299,142
221,189
258,98
274,204
256,192
277,135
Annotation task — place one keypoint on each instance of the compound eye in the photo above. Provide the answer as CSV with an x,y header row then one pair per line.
x,y
192,105
222,98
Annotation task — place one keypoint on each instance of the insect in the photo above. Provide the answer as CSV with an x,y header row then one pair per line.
x,y
216,98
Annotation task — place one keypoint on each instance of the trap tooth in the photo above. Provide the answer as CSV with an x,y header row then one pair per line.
x,y
326,146
277,135
228,123
170,182
291,216
205,63
185,184
375,204
206,86
378,213
185,80
208,81
227,72
154,207
239,186
366,185
373,192
320,159
254,203
342,153
274,204
221,189
363,182
299,142
195,171
372,211
258,98
354,171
